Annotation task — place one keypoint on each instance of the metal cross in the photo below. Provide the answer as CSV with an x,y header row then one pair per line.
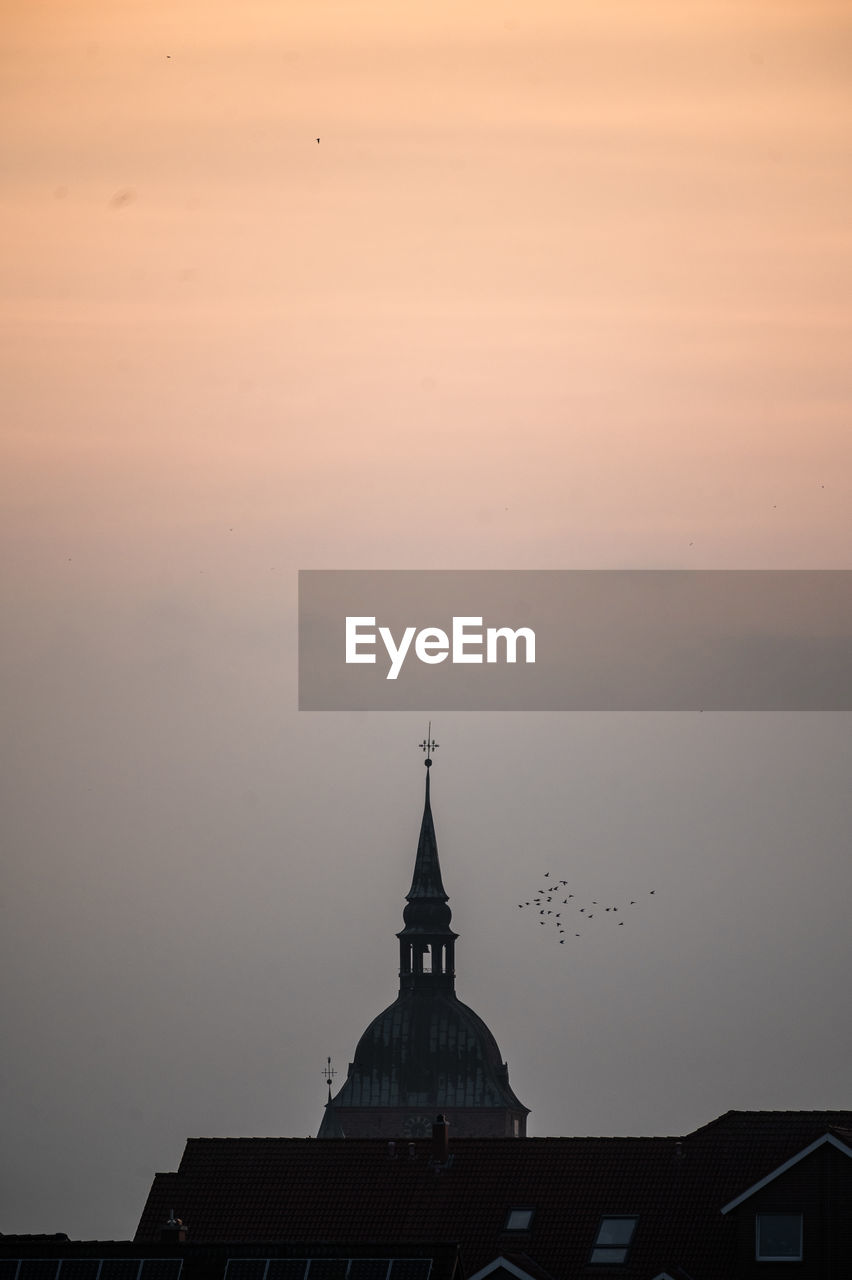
x,y
428,744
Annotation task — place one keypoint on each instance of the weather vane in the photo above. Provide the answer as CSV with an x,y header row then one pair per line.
x,y
429,745
329,1073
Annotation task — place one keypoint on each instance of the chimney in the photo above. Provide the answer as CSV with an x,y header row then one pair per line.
x,y
173,1231
440,1140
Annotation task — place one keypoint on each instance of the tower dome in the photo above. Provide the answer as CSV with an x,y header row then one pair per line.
x,y
427,1052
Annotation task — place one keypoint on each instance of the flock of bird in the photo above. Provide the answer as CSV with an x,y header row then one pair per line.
x,y
554,906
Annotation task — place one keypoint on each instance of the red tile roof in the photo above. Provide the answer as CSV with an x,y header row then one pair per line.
x,y
229,1189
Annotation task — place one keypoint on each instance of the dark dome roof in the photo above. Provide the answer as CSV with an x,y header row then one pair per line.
x,y
427,1050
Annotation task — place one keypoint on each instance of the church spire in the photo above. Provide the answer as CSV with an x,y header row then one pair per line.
x,y
426,944
426,881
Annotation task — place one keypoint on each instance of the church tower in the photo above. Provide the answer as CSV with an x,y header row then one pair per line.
x,y
427,1052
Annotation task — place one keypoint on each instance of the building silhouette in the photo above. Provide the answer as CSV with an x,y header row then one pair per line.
x,y
427,1053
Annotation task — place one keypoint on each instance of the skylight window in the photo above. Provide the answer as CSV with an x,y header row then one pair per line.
x,y
779,1237
612,1243
519,1219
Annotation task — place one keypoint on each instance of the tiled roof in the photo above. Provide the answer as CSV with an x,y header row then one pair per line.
x,y
353,1189
789,1163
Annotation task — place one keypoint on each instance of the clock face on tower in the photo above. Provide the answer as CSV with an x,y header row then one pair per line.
x,y
417,1126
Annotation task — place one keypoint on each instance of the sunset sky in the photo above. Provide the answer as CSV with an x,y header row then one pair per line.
x,y
561,285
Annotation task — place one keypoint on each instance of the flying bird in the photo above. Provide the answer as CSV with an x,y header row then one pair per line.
x,y
547,894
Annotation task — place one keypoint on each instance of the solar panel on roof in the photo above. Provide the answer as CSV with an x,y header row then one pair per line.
x,y
327,1269
79,1268
286,1268
118,1269
368,1269
247,1269
410,1268
160,1268
38,1269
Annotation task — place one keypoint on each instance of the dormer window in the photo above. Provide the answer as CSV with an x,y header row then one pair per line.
x,y
519,1219
612,1243
778,1237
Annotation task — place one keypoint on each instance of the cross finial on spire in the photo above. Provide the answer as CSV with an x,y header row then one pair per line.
x,y
429,745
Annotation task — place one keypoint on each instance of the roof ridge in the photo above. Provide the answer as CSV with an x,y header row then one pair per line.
x,y
736,1114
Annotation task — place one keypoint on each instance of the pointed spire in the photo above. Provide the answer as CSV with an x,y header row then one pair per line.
x,y
426,881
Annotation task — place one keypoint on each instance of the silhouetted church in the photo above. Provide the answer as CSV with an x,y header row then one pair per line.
x,y
749,1196
427,1052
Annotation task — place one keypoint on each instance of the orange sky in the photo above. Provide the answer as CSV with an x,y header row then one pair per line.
x,y
592,257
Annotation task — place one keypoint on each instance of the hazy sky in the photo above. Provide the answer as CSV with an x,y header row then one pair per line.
x,y
562,286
